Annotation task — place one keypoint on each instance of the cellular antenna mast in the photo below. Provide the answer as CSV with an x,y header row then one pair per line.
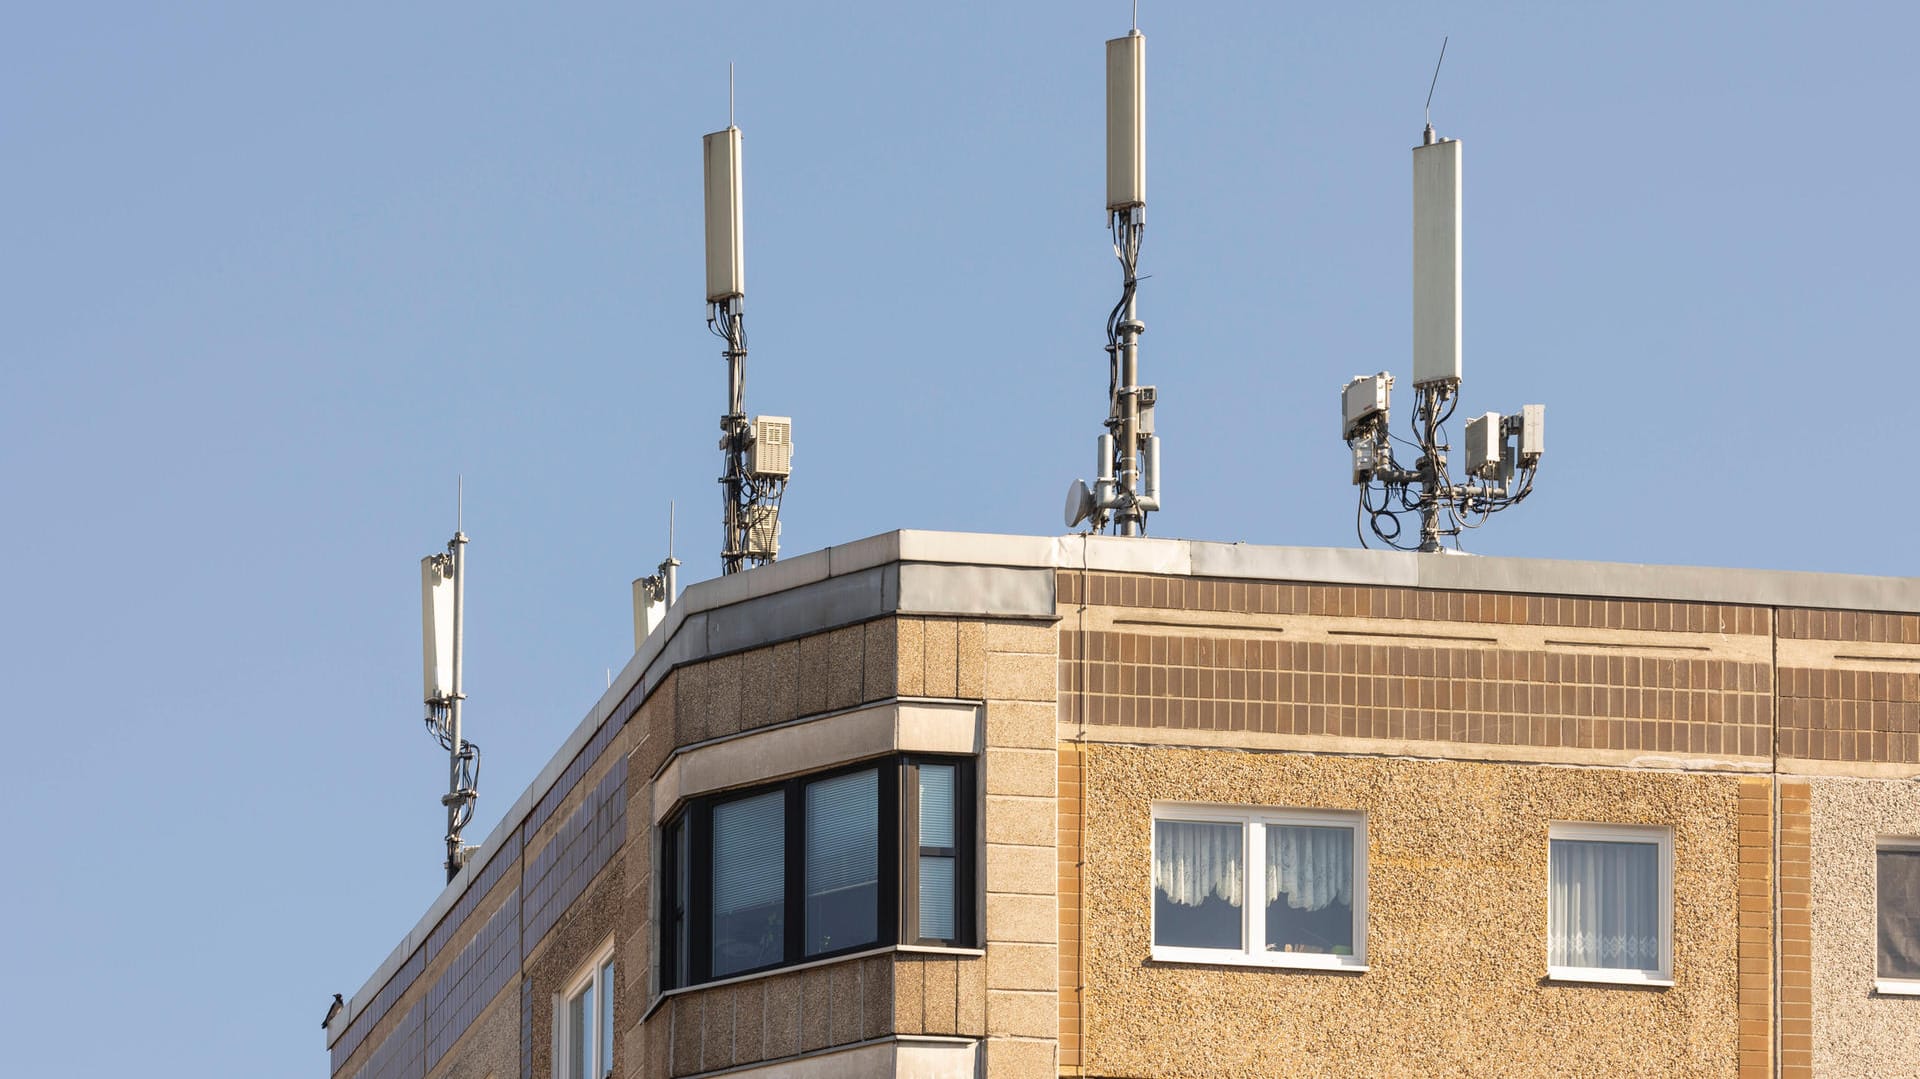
x,y
654,593
758,454
1502,452
443,591
1127,484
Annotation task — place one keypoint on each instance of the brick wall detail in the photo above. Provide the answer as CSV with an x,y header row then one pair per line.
x,y
1427,605
1247,680
481,970
559,871
1850,715
1796,930
1756,928
1068,873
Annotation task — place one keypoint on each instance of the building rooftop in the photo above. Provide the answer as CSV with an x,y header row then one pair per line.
x,y
971,574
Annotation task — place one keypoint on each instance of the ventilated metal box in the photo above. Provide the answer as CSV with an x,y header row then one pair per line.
x,y
1364,397
772,451
726,246
1483,446
763,531
1127,121
1436,262
1364,458
1533,433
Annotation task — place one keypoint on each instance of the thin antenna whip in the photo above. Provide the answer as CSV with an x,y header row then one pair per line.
x,y
1436,79
459,502
1136,15
669,528
729,93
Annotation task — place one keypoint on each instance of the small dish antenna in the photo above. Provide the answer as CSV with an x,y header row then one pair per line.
x,y
1079,503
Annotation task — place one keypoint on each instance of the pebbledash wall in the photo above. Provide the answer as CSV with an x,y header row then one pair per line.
x,y
1770,721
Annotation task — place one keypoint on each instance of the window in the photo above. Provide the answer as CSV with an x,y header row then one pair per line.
x,y
1610,903
867,856
584,1022
1897,910
1308,907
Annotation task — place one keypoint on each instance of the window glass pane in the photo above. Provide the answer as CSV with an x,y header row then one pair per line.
x,y
606,1018
749,882
1309,894
1604,904
843,862
936,898
579,1042
682,870
1899,884
936,805
1199,879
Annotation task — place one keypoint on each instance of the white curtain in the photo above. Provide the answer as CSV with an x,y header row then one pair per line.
x,y
1899,900
1192,861
1604,905
1310,867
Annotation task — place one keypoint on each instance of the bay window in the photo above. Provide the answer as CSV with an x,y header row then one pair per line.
x,y
866,856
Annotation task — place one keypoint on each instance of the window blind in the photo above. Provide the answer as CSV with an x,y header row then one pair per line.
x,y
749,853
1899,914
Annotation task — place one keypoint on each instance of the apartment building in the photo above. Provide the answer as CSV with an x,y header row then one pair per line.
x,y
935,804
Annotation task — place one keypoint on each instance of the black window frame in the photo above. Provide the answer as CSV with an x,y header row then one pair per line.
x,y
686,842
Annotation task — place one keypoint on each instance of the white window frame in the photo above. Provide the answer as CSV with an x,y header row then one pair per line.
x,y
1899,987
1253,820
1657,835
587,975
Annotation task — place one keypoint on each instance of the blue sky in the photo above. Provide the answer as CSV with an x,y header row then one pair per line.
x,y
275,276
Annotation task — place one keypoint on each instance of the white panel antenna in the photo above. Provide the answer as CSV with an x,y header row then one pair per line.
x,y
1495,477
726,242
1436,261
443,591
436,626
1127,121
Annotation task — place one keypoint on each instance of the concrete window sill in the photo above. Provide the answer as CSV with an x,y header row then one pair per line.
x,y
1607,976
1896,987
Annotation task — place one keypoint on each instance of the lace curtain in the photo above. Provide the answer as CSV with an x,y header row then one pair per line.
x,y
1192,861
1604,905
1310,867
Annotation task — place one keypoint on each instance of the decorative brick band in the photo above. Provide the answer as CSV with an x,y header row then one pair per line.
x,y
1494,608
1843,715
1402,692
1864,626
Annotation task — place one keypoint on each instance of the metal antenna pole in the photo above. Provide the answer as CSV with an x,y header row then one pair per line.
x,y
669,570
1129,516
734,438
457,796
1430,465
